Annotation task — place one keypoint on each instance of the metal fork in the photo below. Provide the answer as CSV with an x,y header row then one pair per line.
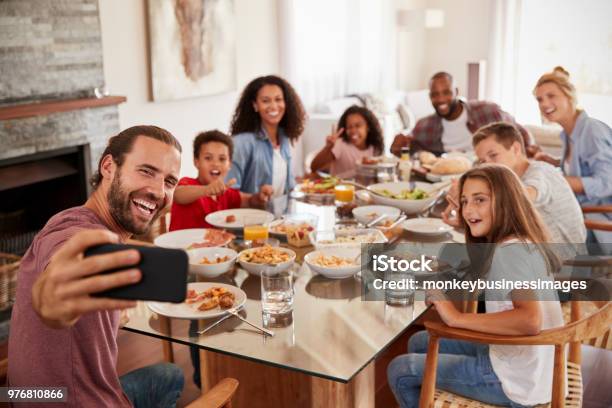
x,y
222,319
265,331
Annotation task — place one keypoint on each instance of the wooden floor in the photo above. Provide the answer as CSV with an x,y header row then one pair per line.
x,y
136,351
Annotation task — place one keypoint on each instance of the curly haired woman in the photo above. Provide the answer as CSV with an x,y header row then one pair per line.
x,y
268,119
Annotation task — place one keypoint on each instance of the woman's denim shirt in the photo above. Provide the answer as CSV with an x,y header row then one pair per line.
x,y
252,160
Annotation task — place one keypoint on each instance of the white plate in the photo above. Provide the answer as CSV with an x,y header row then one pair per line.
x,y
185,311
211,270
427,226
383,161
293,219
182,239
364,214
338,272
434,178
217,218
327,239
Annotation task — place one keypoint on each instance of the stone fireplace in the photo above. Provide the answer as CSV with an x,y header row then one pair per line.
x,y
52,127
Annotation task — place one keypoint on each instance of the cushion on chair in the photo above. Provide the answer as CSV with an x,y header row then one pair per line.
x,y
445,399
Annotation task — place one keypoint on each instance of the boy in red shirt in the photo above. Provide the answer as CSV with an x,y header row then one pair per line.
x,y
194,198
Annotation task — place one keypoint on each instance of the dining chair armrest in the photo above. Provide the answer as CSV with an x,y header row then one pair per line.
x,y
218,396
546,337
590,261
597,209
586,328
599,225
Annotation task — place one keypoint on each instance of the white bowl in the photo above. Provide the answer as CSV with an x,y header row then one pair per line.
x,y
211,270
364,214
408,206
257,268
335,272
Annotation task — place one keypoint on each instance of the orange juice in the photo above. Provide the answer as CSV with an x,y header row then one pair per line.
x,y
255,232
344,193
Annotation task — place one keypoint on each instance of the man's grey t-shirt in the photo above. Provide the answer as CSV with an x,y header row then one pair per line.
x,y
82,358
556,203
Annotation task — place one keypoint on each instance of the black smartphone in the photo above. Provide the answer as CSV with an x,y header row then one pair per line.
x,y
164,273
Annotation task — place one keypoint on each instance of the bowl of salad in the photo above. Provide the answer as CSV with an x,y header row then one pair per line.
x,y
412,198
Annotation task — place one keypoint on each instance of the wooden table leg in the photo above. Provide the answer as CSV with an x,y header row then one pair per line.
x,y
165,327
264,386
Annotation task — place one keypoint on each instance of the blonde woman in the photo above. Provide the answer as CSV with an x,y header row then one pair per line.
x,y
586,160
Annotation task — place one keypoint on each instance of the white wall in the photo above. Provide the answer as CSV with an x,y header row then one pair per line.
x,y
126,70
463,38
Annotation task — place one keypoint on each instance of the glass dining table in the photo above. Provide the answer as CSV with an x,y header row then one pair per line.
x,y
321,354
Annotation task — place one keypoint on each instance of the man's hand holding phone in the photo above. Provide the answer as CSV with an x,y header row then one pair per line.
x,y
62,292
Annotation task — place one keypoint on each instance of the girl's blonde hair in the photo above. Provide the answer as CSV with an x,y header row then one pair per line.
x,y
560,77
513,214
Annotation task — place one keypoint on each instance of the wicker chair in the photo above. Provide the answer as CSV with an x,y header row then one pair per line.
x,y
577,331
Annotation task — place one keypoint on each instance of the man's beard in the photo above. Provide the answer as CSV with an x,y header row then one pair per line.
x,y
452,108
120,204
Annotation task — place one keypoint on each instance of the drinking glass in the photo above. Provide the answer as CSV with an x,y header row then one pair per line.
x,y
276,292
400,296
344,193
255,228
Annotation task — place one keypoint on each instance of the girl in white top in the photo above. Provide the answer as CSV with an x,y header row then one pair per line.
x,y
494,210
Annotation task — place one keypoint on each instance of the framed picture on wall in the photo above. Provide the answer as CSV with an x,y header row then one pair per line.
x,y
192,48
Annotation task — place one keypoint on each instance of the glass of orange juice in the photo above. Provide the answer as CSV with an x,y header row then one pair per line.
x,y
344,193
255,229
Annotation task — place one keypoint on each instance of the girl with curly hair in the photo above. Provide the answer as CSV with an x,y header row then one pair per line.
x,y
359,135
268,119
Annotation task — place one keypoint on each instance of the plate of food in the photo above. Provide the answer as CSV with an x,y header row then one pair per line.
x,y
346,238
377,161
449,167
335,263
369,213
318,190
412,198
204,300
233,219
426,226
273,259
194,238
211,262
291,222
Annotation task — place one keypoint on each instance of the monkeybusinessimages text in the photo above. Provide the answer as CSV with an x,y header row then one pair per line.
x,y
394,269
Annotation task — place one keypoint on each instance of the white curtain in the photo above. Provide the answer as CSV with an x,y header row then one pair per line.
x,y
504,53
331,48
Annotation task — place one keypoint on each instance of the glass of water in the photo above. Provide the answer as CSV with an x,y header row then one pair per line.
x,y
401,288
276,292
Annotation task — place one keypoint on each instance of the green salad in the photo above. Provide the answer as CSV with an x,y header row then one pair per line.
x,y
416,194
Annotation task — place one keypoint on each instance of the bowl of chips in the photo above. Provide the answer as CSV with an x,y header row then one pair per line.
x,y
266,258
336,263
211,262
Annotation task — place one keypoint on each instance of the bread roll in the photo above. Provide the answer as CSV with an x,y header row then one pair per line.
x,y
451,165
426,157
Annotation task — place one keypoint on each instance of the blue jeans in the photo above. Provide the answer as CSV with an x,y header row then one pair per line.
x,y
464,368
159,385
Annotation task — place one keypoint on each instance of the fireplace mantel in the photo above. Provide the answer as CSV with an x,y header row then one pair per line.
x,y
53,106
